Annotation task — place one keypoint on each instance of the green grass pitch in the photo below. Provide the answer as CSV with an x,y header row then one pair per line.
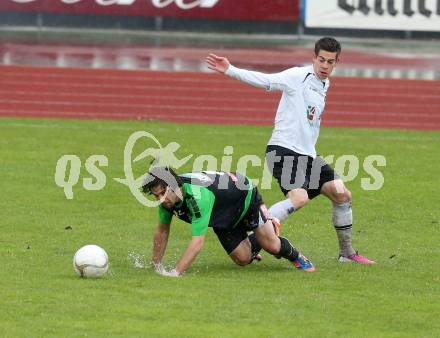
x,y
398,226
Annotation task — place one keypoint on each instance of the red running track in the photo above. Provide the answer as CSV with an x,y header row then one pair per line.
x,y
207,98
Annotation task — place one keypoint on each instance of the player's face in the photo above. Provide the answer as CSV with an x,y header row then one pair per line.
x,y
166,195
324,63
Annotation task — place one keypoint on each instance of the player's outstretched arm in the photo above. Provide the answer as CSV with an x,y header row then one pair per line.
x,y
218,63
190,254
276,81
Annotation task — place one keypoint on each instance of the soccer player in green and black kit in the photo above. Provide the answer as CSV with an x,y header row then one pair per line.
x,y
229,204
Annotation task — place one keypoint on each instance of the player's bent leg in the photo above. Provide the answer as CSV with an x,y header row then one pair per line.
x,y
255,248
336,191
282,209
343,220
267,238
241,255
342,214
238,245
298,197
280,246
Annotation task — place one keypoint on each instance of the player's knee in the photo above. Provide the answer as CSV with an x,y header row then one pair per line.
x,y
242,262
337,191
241,259
299,198
343,197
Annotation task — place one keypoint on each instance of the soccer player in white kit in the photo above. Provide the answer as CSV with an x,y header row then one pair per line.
x,y
290,152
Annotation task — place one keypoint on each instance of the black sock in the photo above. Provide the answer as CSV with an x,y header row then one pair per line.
x,y
287,250
255,247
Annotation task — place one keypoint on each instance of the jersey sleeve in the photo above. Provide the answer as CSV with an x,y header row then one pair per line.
x,y
200,206
277,81
165,215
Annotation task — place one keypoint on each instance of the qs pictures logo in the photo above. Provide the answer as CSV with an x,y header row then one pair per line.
x,y
68,167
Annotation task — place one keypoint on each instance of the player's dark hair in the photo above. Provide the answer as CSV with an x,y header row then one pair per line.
x,y
328,44
161,176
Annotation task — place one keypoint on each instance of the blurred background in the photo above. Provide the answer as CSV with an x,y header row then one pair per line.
x,y
381,38
126,58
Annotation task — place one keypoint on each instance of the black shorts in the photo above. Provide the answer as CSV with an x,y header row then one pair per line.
x,y
231,238
293,170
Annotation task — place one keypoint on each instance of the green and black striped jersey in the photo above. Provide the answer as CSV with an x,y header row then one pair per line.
x,y
210,199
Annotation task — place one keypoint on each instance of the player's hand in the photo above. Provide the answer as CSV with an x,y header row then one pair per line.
x,y
171,273
218,63
159,268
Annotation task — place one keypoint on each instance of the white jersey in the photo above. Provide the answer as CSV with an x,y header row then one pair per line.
x,y
298,117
